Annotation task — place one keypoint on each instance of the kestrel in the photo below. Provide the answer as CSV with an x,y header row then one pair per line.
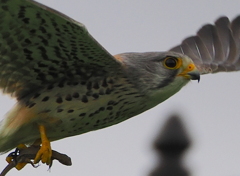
x,y
67,84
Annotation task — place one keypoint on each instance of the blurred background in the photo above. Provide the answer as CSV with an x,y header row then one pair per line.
x,y
210,110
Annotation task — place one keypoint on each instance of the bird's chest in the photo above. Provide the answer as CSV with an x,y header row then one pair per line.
x,y
73,108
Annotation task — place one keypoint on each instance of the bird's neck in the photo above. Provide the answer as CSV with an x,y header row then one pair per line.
x,y
158,96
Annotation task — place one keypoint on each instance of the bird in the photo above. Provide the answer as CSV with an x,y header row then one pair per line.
x,y
66,84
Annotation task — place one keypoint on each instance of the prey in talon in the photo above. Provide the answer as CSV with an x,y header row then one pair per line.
x,y
25,155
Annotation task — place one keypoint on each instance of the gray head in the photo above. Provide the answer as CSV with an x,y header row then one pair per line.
x,y
158,73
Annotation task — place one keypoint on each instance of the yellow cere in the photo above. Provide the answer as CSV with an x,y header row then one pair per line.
x,y
189,68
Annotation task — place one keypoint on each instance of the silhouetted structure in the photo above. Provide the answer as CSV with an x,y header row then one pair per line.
x,y
170,145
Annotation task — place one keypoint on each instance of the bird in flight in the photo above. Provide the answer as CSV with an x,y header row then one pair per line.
x,y
67,84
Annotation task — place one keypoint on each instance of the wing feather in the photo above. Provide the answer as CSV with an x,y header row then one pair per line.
x,y
215,48
40,46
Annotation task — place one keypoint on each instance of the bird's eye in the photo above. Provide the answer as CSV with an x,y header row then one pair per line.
x,y
172,62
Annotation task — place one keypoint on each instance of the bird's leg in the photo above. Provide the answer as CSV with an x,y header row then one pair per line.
x,y
45,152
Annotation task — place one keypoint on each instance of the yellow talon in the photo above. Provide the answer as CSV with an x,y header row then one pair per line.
x,y
45,152
9,159
19,166
21,146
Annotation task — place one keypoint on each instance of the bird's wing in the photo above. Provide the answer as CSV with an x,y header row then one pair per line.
x,y
215,48
39,45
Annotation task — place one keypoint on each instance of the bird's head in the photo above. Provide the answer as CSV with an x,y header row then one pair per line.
x,y
158,74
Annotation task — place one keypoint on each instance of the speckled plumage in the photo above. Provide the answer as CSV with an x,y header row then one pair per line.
x,y
63,79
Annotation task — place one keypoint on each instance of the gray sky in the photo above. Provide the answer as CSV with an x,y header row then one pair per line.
x,y
210,109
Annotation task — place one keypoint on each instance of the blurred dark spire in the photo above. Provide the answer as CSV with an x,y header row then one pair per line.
x,y
170,145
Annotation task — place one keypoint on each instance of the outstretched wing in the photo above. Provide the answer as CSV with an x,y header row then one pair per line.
x,y
215,48
39,45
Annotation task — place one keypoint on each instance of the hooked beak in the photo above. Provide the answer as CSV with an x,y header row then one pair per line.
x,y
194,75
191,72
